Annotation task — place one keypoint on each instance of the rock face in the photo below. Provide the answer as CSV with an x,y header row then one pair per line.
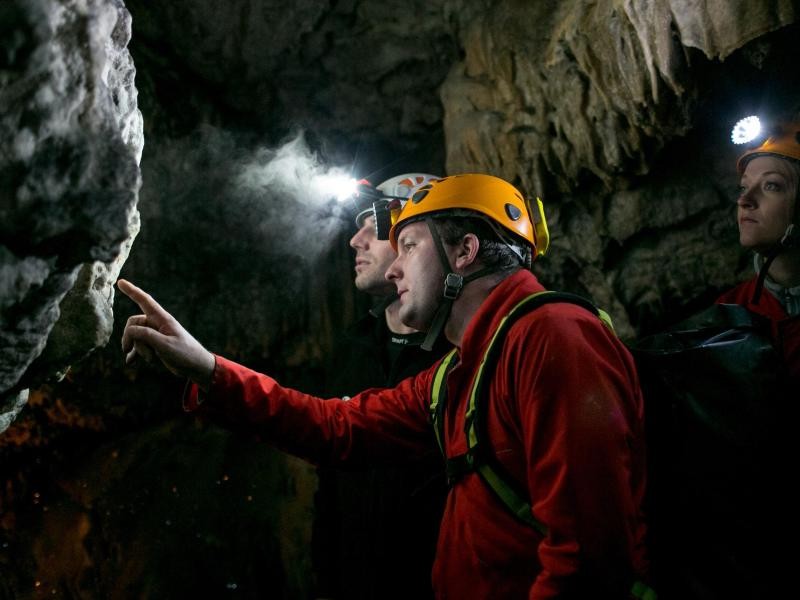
x,y
70,142
357,72
556,89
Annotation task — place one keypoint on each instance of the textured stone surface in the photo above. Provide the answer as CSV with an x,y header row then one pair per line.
x,y
564,88
70,141
10,407
360,70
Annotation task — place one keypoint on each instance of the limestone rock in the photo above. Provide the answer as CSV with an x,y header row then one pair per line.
x,y
570,88
10,407
70,141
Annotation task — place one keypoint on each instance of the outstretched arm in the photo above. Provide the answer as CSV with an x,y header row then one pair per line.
x,y
156,332
378,425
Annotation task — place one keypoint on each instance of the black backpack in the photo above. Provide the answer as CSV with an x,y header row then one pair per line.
x,y
716,415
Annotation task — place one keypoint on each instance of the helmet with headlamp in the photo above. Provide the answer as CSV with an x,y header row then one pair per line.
x,y
386,199
763,139
781,140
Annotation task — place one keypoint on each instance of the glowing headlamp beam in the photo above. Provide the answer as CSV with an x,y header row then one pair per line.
x,y
341,186
746,130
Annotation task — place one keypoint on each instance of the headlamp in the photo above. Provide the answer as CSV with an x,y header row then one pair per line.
x,y
342,187
748,130
362,198
386,211
775,138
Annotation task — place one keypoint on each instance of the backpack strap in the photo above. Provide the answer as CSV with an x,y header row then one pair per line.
x,y
477,458
513,496
439,396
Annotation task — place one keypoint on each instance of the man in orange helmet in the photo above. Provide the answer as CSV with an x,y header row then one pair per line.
x,y
538,412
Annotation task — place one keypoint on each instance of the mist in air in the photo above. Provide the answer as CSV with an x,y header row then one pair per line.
x,y
291,190
251,229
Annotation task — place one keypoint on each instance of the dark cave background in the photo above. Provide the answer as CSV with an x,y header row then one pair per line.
x,y
109,490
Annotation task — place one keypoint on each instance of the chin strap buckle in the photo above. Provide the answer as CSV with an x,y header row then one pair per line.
x,y
452,285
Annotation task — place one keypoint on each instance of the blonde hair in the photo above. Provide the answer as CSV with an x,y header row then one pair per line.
x,y
792,175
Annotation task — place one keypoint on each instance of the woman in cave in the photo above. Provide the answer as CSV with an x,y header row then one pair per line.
x,y
745,446
768,217
721,423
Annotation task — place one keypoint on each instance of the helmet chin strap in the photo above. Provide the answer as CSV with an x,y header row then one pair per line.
x,y
380,307
790,239
453,284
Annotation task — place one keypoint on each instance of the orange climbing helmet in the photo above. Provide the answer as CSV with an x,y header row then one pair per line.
x,y
782,140
496,200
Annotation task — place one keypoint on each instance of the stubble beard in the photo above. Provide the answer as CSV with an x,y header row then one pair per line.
x,y
373,284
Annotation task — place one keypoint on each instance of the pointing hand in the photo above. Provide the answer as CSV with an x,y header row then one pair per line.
x,y
156,332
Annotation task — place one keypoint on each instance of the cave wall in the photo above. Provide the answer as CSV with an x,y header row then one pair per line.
x,y
616,115
70,143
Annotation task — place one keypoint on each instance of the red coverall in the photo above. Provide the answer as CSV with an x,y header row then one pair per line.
x,y
785,329
565,419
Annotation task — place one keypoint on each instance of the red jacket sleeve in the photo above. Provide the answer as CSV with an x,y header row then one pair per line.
x,y
581,416
376,426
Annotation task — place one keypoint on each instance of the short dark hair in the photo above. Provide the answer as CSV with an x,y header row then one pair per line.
x,y
492,251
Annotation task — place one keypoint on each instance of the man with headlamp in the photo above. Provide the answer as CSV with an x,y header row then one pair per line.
x,y
538,411
378,525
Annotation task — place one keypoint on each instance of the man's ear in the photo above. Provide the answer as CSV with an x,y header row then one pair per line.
x,y
466,251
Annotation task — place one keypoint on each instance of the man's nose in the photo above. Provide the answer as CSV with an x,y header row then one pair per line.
x,y
358,241
393,272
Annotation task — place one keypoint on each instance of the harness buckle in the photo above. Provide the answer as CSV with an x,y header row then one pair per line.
x,y
452,285
458,466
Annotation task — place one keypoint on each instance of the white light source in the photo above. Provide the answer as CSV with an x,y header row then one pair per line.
x,y
746,130
340,186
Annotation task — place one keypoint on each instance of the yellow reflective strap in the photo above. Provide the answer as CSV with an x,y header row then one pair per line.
x,y
518,505
506,491
472,436
606,319
436,396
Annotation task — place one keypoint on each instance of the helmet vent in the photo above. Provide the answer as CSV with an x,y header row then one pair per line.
x,y
420,194
513,212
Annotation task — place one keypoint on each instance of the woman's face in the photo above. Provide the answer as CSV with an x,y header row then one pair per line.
x,y
767,197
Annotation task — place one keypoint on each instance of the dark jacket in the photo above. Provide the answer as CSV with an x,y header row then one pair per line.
x,y
375,530
785,329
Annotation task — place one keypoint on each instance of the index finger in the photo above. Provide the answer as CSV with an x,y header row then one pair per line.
x,y
145,301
